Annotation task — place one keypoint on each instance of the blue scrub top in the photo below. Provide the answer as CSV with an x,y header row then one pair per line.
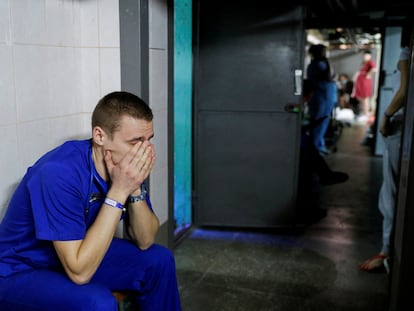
x,y
57,200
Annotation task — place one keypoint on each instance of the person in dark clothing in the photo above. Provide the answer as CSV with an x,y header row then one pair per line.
x,y
313,168
345,87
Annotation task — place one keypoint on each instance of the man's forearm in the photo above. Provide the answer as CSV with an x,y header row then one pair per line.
x,y
143,224
81,258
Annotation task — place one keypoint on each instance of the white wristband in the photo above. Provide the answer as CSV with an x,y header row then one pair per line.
x,y
116,204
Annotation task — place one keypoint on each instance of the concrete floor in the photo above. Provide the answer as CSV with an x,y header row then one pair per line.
x,y
313,269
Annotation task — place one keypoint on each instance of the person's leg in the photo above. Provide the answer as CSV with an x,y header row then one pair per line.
x,y
386,201
151,273
324,127
364,108
317,134
45,290
364,103
387,196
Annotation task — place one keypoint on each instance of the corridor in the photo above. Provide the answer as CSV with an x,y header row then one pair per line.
x,y
312,269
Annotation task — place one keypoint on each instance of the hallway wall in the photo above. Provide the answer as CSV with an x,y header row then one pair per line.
x,y
183,89
57,59
158,100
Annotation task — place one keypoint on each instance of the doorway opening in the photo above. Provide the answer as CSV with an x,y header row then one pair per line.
x,y
346,49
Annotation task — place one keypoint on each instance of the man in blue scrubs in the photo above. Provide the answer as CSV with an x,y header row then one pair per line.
x,y
57,244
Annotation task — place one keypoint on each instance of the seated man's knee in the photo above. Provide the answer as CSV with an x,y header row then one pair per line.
x,y
163,256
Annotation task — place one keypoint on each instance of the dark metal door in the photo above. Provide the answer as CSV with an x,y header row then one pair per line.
x,y
247,59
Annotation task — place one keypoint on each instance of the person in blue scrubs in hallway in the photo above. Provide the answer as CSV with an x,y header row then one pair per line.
x,y
324,95
58,249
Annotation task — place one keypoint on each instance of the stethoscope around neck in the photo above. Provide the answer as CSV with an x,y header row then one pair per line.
x,y
94,179
103,187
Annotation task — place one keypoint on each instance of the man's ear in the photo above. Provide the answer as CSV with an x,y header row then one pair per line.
x,y
98,135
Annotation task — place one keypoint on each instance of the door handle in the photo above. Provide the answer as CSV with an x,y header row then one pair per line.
x,y
298,82
293,107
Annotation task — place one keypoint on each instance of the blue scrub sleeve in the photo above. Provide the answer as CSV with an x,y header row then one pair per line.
x,y
57,203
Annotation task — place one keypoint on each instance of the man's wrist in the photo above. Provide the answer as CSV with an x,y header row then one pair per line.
x,y
140,197
114,203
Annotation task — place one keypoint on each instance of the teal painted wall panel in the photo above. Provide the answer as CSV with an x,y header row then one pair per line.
x,y
182,111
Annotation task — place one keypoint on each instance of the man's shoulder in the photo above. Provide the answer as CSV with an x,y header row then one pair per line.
x,y
72,146
66,155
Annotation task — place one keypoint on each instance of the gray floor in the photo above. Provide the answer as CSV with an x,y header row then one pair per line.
x,y
314,269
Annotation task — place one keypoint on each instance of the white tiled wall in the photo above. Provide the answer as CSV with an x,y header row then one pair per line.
x,y
57,58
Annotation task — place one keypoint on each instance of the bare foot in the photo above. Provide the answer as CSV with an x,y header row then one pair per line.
x,y
375,263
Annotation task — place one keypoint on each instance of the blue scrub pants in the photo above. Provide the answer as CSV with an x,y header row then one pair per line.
x,y
151,273
318,134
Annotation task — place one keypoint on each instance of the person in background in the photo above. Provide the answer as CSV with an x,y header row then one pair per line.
x,y
313,169
58,249
363,85
345,86
390,127
344,112
324,95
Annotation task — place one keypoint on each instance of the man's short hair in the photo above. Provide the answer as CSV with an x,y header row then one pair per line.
x,y
109,110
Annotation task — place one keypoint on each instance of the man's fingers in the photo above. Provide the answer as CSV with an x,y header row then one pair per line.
x,y
139,159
